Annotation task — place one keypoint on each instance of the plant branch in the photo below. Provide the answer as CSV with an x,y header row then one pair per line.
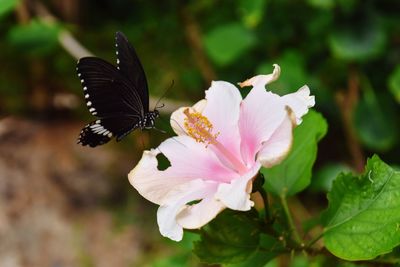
x,y
292,227
347,102
77,51
193,36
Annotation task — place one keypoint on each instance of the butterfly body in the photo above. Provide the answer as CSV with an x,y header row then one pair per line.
x,y
117,95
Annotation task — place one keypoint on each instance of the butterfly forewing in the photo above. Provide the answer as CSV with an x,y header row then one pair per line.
x,y
129,65
107,93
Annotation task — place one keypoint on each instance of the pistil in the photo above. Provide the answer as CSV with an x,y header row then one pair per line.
x,y
201,130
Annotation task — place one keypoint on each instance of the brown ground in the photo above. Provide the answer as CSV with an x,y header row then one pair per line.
x,y
51,195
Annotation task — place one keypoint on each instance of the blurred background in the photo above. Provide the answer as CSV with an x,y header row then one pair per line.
x,y
66,205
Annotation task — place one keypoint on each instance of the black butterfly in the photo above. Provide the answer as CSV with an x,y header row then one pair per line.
x,y
118,96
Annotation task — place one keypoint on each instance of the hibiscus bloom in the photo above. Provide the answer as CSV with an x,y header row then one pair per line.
x,y
221,145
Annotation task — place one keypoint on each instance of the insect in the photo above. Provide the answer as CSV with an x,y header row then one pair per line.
x,y
117,95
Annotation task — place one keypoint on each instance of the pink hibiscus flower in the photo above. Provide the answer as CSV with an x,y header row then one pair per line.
x,y
221,145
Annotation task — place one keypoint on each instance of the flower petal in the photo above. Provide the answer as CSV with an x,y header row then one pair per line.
x,y
222,110
178,118
154,185
167,214
299,102
189,161
278,146
236,195
198,215
262,80
194,160
261,113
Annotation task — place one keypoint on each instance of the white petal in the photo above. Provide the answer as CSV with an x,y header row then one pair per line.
x,y
278,146
299,102
151,183
236,195
178,118
195,216
262,80
167,214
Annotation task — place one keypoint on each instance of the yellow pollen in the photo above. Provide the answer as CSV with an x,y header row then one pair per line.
x,y
199,127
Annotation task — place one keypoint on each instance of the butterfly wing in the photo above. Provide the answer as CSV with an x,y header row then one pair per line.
x,y
129,65
101,131
107,93
110,97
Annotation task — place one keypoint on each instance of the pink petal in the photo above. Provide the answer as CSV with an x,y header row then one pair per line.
x,y
261,114
189,161
194,160
278,146
236,195
299,102
167,214
222,110
262,80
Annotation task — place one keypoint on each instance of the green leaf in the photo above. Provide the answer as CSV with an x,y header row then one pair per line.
x,y
227,43
294,173
376,121
259,259
232,237
268,249
358,42
35,38
7,6
394,83
362,221
252,12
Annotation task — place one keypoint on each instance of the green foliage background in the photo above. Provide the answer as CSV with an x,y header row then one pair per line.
x,y
346,51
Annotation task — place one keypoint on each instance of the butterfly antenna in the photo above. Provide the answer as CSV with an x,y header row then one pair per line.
x,y
159,130
163,95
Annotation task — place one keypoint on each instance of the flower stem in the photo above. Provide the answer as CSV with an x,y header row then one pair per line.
x,y
292,227
315,239
266,204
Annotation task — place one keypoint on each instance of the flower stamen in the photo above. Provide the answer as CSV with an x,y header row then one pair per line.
x,y
199,127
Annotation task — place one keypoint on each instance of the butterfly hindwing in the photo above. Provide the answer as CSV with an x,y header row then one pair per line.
x,y
101,131
129,65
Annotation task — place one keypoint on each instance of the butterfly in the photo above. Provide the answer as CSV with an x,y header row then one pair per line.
x,y
117,95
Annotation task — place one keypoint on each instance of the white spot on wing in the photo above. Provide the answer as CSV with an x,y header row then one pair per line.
x,y
89,103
